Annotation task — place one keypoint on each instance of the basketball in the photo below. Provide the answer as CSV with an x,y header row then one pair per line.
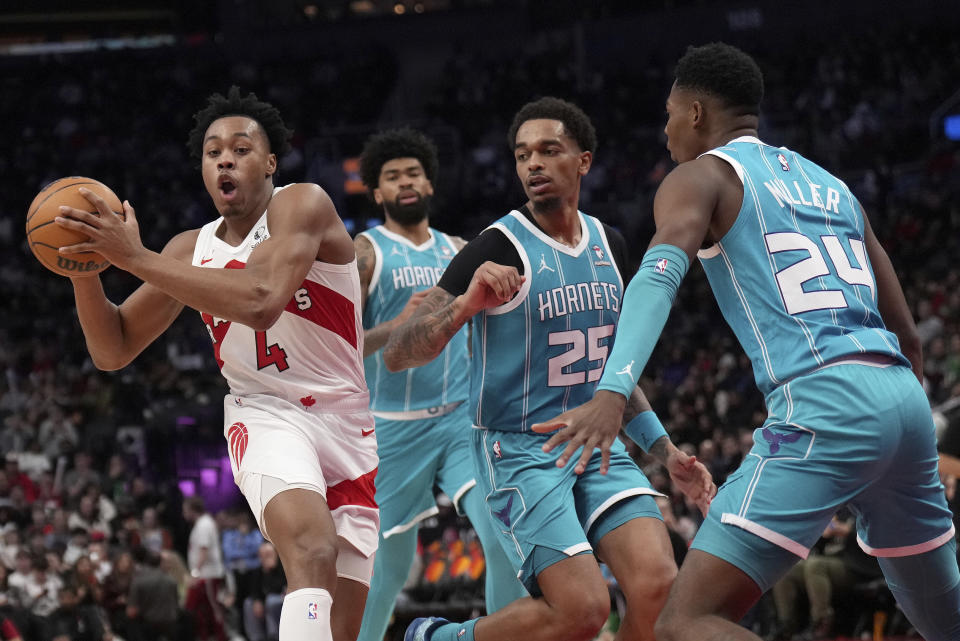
x,y
45,236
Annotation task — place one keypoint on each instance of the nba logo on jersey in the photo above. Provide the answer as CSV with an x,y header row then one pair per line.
x,y
661,265
312,611
783,162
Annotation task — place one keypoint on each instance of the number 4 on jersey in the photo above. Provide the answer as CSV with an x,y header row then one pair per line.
x,y
268,355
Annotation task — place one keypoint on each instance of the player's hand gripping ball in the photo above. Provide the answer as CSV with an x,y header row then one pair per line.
x,y
45,236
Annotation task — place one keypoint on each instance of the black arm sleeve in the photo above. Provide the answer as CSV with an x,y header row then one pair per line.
x,y
491,245
621,256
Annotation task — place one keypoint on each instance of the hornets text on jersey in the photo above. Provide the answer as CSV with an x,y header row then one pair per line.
x,y
543,351
402,269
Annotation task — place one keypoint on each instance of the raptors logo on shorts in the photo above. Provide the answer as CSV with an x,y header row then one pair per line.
x,y
237,436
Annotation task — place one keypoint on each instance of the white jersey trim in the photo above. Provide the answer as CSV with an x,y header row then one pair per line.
x,y
566,249
515,302
403,240
909,550
766,534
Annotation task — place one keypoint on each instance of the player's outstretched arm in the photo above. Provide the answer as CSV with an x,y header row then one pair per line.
x,y
116,334
376,337
441,315
892,303
302,221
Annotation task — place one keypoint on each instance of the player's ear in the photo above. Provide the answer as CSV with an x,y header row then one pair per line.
x,y
271,164
428,188
586,160
696,113
377,196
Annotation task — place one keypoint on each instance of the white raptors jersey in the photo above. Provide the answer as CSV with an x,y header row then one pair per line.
x,y
313,355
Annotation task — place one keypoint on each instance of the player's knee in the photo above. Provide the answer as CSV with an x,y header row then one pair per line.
x,y
315,558
647,589
582,618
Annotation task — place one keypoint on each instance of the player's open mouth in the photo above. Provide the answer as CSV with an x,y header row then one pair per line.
x,y
538,184
227,188
408,198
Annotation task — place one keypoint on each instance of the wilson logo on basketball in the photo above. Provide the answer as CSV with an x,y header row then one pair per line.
x,y
237,437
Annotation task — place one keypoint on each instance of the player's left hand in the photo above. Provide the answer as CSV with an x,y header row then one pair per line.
x,y
595,424
692,478
114,237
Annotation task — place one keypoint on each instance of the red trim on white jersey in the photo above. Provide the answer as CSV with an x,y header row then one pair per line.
x,y
315,349
330,310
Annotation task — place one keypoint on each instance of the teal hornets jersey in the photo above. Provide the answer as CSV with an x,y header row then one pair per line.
x,y
543,352
792,276
402,269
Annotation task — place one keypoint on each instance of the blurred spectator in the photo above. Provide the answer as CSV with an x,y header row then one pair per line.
x,y
824,577
241,544
71,621
204,559
89,518
153,607
116,587
18,479
153,535
82,475
261,608
89,587
41,589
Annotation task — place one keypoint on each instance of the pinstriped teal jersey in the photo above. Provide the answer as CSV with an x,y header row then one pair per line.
x,y
402,269
792,276
543,352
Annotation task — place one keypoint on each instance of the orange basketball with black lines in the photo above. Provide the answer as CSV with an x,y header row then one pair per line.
x,y
45,236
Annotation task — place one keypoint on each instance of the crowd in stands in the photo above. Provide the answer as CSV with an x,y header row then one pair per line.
x,y
93,539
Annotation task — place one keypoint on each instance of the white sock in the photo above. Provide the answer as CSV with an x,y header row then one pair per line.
x,y
306,615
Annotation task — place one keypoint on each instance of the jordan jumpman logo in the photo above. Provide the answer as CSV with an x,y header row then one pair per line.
x,y
544,265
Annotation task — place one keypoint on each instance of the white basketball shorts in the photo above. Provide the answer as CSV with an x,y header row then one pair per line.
x,y
334,454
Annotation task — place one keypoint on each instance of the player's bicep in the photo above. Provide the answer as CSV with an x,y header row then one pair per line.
x,y
490,245
683,207
366,264
297,224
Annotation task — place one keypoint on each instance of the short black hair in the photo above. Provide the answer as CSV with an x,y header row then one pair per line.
x,y
382,147
576,123
233,104
725,72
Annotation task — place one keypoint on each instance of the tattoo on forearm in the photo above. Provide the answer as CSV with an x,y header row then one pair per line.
x,y
636,403
427,331
659,449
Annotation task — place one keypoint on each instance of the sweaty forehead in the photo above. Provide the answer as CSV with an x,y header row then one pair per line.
x,y
537,130
231,126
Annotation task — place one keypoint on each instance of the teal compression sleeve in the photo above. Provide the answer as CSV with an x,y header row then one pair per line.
x,y
645,429
643,313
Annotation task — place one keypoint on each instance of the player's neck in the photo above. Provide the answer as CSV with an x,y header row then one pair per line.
x,y
736,128
417,233
561,224
236,226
